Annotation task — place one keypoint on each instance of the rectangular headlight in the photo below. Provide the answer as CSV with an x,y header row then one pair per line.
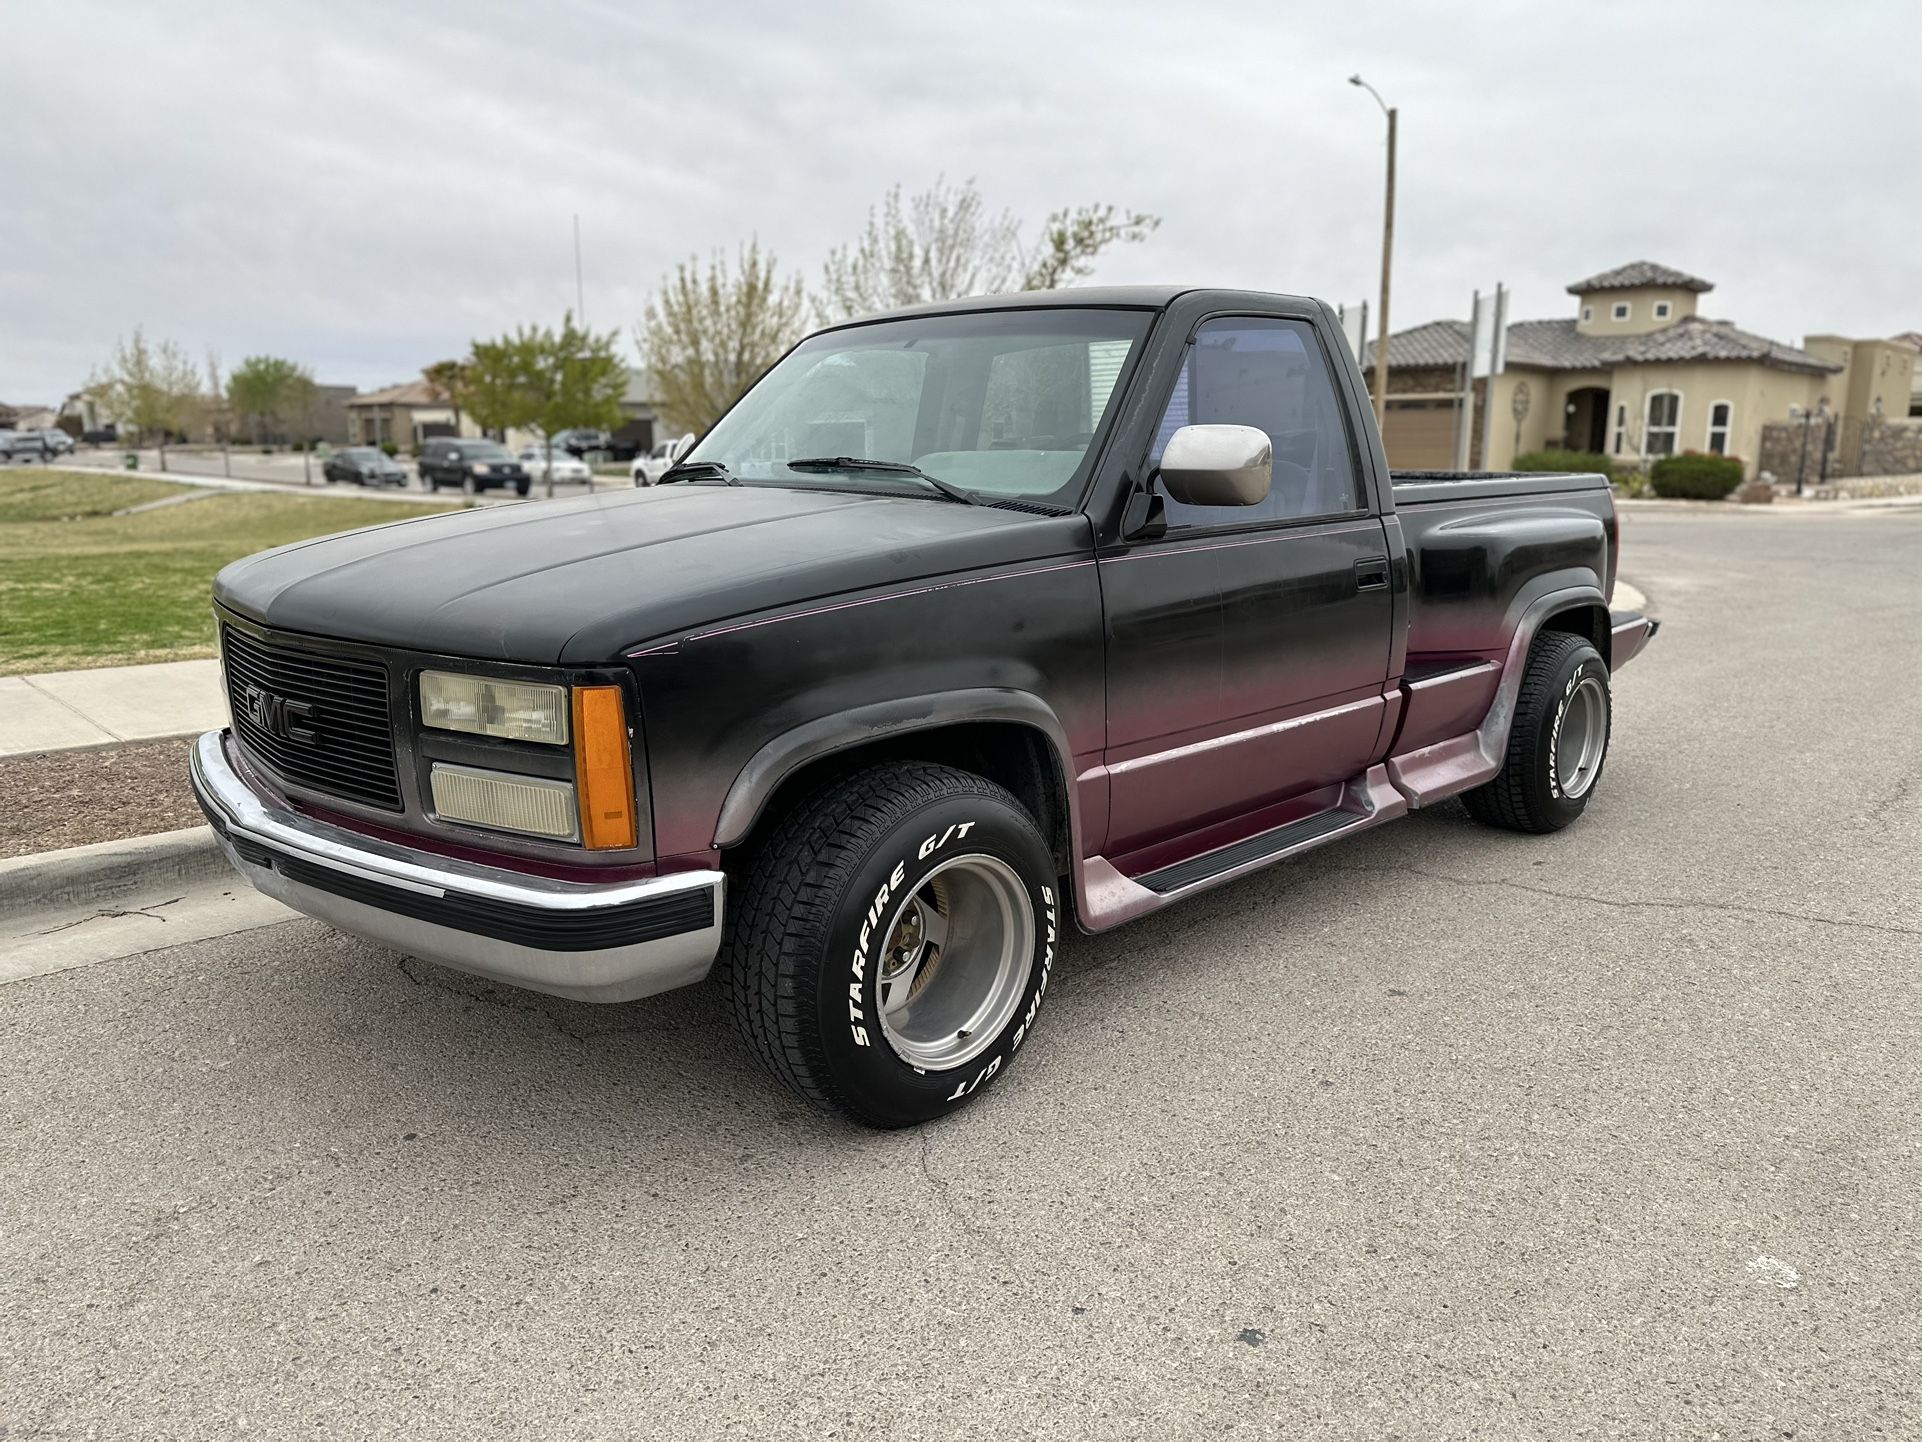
x,y
513,710
528,804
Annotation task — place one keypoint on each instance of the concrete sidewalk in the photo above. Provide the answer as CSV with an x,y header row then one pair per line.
x,y
68,710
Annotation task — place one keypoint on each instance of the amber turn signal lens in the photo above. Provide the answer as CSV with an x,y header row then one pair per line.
x,y
603,770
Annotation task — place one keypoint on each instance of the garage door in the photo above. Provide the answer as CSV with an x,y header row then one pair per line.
x,y
1419,435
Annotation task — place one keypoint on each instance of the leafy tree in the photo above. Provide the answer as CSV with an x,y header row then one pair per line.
x,y
713,330
152,387
448,380
942,243
270,392
546,380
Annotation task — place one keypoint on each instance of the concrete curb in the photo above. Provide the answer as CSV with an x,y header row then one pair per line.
x,y
83,877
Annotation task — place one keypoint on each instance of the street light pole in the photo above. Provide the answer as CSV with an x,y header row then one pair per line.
x,y
1387,257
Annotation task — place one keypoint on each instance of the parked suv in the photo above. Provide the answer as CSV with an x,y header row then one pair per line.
x,y
58,442
473,466
22,445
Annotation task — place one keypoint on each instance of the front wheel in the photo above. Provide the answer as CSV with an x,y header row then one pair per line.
x,y
890,942
1557,744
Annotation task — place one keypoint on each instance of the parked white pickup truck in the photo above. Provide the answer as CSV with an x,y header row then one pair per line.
x,y
647,470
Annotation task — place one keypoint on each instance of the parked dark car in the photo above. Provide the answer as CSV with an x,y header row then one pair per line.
x,y
58,442
364,466
471,466
965,625
580,440
102,436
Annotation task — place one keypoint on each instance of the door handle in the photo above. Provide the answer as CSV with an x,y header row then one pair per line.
x,y
1371,574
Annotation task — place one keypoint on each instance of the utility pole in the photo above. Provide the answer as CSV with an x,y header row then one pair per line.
x,y
1387,257
580,292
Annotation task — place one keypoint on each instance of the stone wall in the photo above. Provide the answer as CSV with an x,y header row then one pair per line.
x,y
1891,448
1782,450
1856,447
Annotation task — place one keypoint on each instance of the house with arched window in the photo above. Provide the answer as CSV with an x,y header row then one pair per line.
x,y
1635,373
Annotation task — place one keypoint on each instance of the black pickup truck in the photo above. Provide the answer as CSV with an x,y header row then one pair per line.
x,y
964,626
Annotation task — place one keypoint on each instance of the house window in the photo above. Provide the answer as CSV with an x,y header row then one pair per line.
x,y
1620,312
1721,418
1664,420
1588,312
1661,310
1621,427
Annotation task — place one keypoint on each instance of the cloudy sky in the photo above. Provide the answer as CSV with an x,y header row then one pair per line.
x,y
365,187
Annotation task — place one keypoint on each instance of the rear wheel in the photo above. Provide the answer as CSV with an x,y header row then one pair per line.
x,y
1558,743
891,940
467,486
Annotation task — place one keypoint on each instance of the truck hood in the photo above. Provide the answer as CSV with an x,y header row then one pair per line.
x,y
579,582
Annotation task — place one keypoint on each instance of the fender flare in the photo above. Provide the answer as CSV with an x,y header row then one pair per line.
x,y
787,753
1447,768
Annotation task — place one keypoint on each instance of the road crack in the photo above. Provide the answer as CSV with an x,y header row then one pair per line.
x,y
943,1191
107,911
1626,904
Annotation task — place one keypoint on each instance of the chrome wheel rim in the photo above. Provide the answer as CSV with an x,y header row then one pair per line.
x,y
1581,736
955,962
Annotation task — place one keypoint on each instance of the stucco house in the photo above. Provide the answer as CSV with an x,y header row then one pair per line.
x,y
405,415
1635,373
1913,340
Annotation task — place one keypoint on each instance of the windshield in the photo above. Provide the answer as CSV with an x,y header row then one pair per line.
x,y
1004,404
484,451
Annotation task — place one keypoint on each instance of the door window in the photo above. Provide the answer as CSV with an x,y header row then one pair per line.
x,y
1269,374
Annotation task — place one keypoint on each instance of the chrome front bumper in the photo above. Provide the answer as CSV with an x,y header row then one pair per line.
x,y
609,941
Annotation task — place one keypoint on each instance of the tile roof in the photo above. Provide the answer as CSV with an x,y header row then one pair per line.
x,y
407,393
1639,273
1556,345
1694,338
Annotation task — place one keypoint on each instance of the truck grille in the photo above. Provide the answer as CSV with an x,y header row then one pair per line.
x,y
317,720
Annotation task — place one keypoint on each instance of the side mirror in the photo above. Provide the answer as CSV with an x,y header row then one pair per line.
x,y
1218,466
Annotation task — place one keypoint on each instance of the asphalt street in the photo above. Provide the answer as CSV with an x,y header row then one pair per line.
x,y
1437,1133
280,469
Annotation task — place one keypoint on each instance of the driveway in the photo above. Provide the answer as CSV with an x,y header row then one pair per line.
x,y
1438,1133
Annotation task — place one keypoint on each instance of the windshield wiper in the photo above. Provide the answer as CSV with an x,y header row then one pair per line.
x,y
897,468
691,469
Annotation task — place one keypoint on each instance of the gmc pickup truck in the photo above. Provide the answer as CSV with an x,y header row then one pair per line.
x,y
966,625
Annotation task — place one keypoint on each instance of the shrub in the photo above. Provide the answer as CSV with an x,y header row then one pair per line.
x,y
1695,477
1564,461
390,449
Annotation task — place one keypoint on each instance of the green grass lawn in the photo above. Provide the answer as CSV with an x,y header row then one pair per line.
x,y
81,586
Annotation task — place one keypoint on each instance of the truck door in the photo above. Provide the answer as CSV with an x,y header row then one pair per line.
x,y
1248,647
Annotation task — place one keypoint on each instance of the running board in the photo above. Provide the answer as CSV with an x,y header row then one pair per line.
x,y
1366,801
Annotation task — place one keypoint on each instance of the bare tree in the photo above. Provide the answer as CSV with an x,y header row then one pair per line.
x,y
152,387
1071,240
713,329
943,243
938,244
